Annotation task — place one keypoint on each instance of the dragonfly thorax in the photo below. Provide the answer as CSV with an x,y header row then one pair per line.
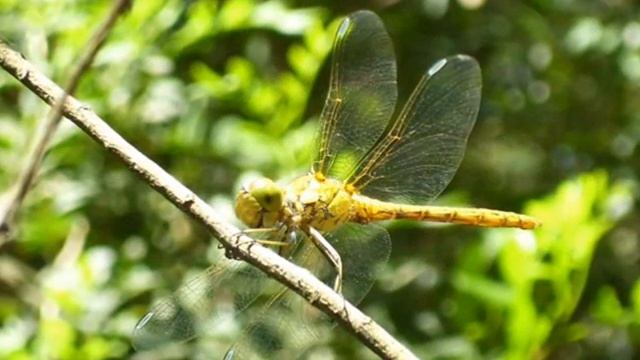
x,y
307,201
320,203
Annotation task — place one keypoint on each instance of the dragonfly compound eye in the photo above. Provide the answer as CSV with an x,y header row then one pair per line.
x,y
248,210
267,193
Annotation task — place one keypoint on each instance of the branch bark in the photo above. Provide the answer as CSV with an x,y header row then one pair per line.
x,y
296,278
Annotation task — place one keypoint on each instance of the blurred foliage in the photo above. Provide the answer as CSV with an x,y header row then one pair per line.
x,y
219,91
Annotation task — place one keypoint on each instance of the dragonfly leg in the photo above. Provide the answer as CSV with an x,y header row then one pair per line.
x,y
276,233
331,254
250,232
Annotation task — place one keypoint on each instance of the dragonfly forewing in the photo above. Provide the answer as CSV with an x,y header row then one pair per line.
x,y
199,305
362,94
280,322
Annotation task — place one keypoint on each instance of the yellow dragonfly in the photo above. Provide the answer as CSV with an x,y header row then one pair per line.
x,y
368,168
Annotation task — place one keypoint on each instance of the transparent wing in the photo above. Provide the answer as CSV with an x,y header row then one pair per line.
x,y
362,94
212,297
364,250
418,156
232,294
289,326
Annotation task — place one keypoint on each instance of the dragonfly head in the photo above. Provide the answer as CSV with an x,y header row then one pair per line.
x,y
259,203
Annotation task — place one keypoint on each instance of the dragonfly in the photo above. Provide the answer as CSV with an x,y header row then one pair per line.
x,y
370,166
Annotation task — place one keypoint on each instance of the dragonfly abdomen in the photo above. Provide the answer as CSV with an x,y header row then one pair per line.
x,y
368,210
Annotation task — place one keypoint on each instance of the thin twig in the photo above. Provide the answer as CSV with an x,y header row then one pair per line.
x,y
50,124
296,278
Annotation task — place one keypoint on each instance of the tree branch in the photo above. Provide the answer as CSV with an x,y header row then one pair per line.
x,y
296,278
50,124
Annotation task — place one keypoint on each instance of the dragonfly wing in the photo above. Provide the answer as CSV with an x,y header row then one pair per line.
x,y
418,156
288,326
279,330
362,94
199,304
364,249
281,323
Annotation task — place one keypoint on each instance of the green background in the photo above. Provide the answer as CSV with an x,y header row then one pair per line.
x,y
217,92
